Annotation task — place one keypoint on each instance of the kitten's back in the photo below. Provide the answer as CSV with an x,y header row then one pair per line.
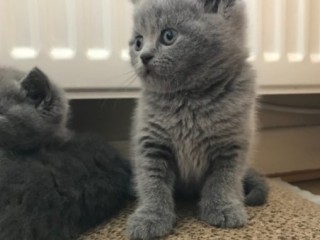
x,y
59,193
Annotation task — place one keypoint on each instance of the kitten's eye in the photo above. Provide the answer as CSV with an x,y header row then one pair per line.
x,y
138,44
168,36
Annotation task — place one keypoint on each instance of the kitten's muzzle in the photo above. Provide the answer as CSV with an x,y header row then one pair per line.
x,y
146,58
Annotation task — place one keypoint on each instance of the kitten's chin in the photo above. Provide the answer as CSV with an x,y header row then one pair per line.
x,y
155,82
146,72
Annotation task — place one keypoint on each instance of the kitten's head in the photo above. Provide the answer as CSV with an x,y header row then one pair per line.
x,y
186,44
33,111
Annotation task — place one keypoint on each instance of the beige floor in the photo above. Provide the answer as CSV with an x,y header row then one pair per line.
x,y
286,216
312,186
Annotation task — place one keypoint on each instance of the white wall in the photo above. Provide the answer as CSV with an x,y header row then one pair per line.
x,y
82,44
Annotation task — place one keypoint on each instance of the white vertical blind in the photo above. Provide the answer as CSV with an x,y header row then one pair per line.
x,y
83,44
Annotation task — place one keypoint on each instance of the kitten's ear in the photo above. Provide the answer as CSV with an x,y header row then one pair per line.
x,y
37,86
217,6
135,1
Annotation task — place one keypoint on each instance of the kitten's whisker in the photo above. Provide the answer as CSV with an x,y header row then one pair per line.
x,y
130,81
121,75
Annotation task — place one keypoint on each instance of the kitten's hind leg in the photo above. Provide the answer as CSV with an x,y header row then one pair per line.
x,y
256,188
155,215
222,200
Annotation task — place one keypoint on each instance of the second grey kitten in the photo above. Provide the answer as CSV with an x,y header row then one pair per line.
x,y
54,184
195,122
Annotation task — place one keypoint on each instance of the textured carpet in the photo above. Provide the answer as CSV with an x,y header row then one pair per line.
x,y
287,216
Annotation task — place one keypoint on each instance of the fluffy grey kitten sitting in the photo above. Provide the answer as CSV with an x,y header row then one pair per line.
x,y
195,122
54,184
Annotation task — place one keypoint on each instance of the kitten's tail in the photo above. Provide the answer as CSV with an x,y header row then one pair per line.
x,y
256,188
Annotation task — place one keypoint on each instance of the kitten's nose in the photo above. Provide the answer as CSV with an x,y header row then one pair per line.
x,y
146,58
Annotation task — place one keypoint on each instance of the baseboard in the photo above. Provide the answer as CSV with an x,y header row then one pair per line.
x,y
297,176
287,150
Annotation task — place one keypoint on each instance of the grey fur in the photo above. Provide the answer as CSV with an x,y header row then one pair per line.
x,y
256,188
54,184
195,122
18,105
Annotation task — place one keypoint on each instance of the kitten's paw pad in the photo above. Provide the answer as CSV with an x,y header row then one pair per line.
x,y
149,225
225,217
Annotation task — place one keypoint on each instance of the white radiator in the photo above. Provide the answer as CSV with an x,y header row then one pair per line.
x,y
82,44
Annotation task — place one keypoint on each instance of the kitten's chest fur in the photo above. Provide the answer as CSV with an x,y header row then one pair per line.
x,y
186,133
202,127
188,129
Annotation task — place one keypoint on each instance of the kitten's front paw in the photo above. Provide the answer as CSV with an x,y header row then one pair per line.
x,y
233,216
146,225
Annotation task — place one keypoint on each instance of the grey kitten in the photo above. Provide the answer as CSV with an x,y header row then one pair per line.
x,y
54,184
195,121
